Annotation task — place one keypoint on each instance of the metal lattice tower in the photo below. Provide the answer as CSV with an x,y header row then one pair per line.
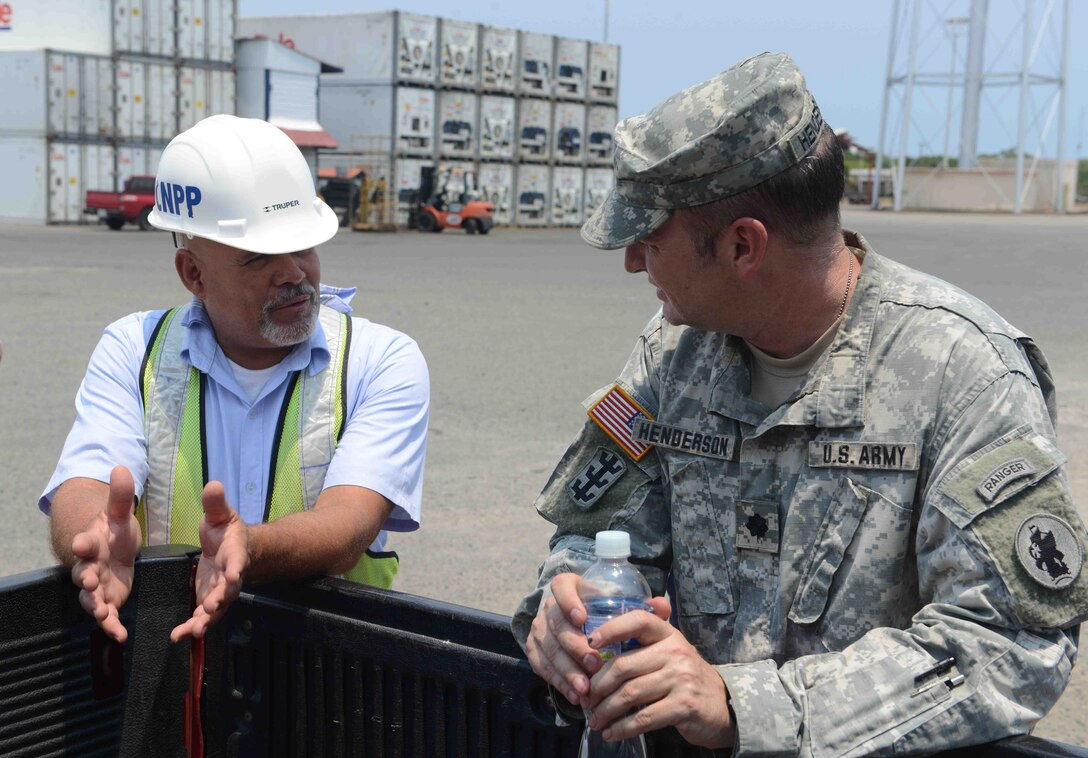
x,y
1003,69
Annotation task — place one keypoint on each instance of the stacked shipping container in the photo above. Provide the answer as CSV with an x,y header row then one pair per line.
x,y
96,88
527,116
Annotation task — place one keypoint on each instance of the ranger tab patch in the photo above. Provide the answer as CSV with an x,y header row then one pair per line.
x,y
1006,473
1049,550
889,456
602,471
616,414
678,438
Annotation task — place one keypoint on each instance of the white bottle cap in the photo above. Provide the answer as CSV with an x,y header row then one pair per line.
x,y
613,544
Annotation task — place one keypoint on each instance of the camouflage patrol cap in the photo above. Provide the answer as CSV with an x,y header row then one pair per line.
x,y
706,143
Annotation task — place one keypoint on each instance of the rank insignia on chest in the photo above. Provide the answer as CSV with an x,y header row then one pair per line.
x,y
602,471
616,414
757,525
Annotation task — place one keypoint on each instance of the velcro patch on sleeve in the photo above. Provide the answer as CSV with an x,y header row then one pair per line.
x,y
594,481
616,413
996,473
1035,540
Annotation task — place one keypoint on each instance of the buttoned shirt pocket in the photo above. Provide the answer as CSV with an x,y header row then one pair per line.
x,y
699,518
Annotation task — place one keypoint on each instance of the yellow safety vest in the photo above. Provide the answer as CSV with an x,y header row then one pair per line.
x,y
310,424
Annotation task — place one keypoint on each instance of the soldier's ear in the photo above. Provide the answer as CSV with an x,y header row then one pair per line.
x,y
744,244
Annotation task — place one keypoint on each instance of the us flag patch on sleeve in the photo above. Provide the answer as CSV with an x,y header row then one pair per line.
x,y
616,414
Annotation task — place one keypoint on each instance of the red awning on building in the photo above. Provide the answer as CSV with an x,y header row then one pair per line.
x,y
308,138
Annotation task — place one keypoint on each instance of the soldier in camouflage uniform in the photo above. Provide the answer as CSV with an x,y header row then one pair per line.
x,y
877,552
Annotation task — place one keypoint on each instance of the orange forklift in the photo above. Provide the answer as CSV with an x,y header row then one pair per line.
x,y
445,200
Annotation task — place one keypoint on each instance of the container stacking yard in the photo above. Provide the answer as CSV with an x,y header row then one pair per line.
x,y
96,88
526,117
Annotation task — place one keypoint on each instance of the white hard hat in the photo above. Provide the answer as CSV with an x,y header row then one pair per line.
x,y
241,182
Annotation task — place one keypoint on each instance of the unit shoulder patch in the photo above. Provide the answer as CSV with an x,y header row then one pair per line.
x,y
602,471
1049,550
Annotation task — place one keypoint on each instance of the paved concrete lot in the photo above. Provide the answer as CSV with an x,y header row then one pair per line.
x,y
517,328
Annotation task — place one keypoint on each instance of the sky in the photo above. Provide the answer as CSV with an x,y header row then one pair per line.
x,y
841,46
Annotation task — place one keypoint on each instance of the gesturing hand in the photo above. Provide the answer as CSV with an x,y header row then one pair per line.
x,y
225,555
105,554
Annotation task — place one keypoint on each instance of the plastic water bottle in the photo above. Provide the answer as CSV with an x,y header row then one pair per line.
x,y
611,587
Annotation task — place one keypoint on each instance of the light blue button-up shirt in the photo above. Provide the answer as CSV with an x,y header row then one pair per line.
x,y
383,445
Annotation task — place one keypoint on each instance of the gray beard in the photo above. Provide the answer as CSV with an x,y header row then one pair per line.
x,y
286,335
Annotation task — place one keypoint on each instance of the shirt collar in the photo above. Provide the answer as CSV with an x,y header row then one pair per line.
x,y
833,395
199,346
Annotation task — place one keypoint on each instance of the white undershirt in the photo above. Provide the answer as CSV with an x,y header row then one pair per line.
x,y
252,381
775,379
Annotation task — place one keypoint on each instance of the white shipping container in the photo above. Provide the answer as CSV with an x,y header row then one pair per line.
x,y
373,48
161,88
144,27
147,94
192,32
203,92
136,160
497,127
417,38
604,72
569,132
600,125
414,125
498,56
46,182
457,119
24,190
598,182
567,196
496,182
132,98
571,66
459,53
48,93
360,117
192,96
221,15
78,26
532,195
536,58
406,176
534,129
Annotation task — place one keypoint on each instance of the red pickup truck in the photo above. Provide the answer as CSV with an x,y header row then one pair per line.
x,y
132,204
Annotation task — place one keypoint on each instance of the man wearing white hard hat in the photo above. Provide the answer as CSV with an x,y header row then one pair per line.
x,y
259,420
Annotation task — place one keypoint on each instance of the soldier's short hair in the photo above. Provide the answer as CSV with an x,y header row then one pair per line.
x,y
801,203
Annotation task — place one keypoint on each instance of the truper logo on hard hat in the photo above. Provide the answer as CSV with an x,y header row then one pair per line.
x,y
176,199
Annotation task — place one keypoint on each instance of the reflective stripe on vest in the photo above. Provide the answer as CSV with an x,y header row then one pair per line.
x,y
309,426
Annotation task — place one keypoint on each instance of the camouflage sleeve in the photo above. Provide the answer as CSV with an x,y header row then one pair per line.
x,y
999,549
599,485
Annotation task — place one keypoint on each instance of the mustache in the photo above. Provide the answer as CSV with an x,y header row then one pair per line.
x,y
291,292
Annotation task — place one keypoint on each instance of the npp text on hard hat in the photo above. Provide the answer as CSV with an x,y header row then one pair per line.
x,y
241,182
